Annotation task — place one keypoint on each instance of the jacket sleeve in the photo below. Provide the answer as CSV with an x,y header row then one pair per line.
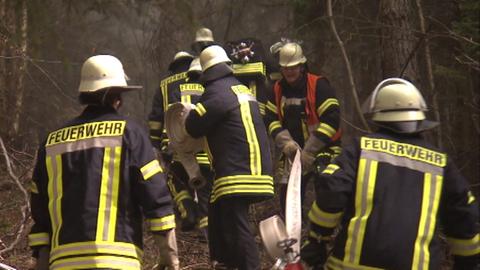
x,y
271,119
155,119
212,107
335,186
328,111
150,183
40,233
459,213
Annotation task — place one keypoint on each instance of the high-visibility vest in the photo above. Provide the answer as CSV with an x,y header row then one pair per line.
x,y
312,117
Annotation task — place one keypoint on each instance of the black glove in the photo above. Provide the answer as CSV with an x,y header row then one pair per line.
x,y
188,215
314,253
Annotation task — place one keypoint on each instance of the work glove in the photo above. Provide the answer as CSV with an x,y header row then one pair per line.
x,y
42,259
188,214
314,253
286,144
167,247
313,145
307,161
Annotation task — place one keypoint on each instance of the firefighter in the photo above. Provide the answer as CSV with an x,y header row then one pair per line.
x,y
177,70
192,202
302,114
203,39
182,86
95,178
390,192
237,142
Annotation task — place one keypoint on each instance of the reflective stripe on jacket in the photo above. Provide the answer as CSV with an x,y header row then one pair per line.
x,y
94,180
391,193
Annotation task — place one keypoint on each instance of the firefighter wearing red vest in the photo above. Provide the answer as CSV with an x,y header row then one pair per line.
x,y
391,193
302,113
95,179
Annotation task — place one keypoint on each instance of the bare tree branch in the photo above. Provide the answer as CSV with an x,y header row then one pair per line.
x,y
347,64
25,208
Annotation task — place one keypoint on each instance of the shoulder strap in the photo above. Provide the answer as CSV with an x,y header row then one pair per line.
x,y
277,90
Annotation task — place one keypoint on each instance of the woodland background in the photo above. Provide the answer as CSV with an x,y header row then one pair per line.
x,y
354,43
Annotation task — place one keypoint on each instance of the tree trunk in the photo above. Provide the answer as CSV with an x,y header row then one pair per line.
x,y
21,65
397,41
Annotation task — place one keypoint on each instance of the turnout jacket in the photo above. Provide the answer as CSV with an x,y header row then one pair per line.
x,y
308,108
229,116
93,181
167,94
391,194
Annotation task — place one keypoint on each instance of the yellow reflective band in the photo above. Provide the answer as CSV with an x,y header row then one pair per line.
x,y
86,131
331,168
253,145
261,108
326,104
252,179
271,107
95,247
267,189
249,68
113,202
336,264
203,222
55,193
156,138
164,91
471,198
33,187
186,99
364,192
38,239
105,191
432,188
162,224
155,125
195,88
203,160
94,262
326,129
465,247
322,218
173,78
253,88
405,150
200,109
274,125
152,168
182,195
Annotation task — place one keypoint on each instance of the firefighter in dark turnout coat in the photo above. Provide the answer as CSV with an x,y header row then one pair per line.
x,y
391,192
302,113
94,180
178,87
229,116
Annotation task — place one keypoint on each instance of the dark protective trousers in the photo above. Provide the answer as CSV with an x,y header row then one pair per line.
x,y
231,241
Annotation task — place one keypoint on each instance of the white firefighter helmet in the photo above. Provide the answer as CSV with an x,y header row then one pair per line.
x,y
204,35
182,54
396,100
195,66
273,231
103,71
213,55
291,54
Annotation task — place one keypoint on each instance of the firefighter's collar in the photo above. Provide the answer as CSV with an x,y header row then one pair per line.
x,y
216,72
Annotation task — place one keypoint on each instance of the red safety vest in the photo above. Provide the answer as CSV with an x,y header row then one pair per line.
x,y
312,117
